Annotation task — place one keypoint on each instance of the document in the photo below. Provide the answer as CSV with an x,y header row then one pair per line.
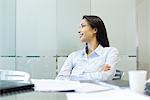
x,y
54,85
66,86
91,87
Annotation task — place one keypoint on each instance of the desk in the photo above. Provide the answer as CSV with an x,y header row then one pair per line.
x,y
35,96
106,95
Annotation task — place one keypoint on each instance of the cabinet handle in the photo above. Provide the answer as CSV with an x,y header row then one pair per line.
x,y
132,56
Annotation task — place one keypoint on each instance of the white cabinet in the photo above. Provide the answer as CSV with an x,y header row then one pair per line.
x,y
143,24
119,17
36,37
125,64
69,15
7,34
46,28
7,27
7,63
38,67
35,27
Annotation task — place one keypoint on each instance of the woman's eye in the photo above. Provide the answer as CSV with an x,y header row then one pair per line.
x,y
83,26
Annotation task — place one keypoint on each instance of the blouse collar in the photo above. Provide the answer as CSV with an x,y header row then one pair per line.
x,y
98,50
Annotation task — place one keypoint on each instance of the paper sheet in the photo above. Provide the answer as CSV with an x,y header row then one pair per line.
x,y
109,85
54,85
89,87
66,86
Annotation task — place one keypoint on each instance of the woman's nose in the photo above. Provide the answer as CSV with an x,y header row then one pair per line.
x,y
79,30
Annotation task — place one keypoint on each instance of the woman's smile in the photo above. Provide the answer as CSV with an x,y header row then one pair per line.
x,y
81,34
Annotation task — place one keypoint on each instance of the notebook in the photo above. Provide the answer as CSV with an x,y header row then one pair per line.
x,y
7,86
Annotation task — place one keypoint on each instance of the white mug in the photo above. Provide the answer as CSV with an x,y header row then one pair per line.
x,y
137,80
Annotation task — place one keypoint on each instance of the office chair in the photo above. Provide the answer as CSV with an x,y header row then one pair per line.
x,y
14,75
118,75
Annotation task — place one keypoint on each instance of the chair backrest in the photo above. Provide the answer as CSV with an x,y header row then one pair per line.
x,y
118,75
14,75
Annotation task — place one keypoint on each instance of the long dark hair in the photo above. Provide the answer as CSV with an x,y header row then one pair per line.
x,y
97,23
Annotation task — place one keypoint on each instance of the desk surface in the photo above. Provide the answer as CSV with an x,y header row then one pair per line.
x,y
32,95
35,96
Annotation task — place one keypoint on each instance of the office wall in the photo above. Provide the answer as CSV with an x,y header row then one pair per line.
x,y
69,14
143,24
120,21
36,27
46,28
36,37
7,34
7,27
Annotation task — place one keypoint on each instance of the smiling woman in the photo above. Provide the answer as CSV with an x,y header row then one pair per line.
x,y
97,61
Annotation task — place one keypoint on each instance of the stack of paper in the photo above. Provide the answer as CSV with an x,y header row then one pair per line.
x,y
89,87
54,85
66,86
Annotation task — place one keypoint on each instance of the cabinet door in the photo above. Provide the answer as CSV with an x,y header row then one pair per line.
x,y
7,63
119,17
7,34
36,37
36,27
38,67
143,24
69,14
7,27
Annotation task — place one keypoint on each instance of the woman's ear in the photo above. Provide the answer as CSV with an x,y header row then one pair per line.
x,y
95,30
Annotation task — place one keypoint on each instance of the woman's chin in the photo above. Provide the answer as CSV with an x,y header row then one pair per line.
x,y
82,41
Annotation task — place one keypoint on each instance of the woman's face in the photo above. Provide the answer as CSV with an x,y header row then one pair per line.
x,y
87,33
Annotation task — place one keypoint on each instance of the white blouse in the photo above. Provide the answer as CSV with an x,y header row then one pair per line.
x,y
80,67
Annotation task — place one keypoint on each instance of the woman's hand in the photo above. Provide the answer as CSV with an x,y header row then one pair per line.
x,y
106,67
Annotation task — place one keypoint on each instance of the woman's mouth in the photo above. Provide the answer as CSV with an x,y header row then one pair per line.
x,y
81,34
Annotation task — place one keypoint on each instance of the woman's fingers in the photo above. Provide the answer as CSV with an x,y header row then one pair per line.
x,y
106,67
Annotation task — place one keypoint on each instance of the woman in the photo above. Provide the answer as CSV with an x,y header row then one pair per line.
x,y
97,60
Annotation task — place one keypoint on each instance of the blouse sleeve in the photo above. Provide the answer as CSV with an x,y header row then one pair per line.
x,y
66,69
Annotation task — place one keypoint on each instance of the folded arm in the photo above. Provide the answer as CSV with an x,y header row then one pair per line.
x,y
107,71
103,73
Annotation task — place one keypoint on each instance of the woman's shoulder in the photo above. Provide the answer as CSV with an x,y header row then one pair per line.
x,y
76,53
111,49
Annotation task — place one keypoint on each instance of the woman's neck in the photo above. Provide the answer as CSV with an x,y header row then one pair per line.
x,y
92,46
